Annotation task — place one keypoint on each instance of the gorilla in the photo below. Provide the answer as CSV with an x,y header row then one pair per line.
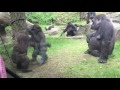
x,y
19,54
53,21
91,15
49,27
101,43
38,42
70,29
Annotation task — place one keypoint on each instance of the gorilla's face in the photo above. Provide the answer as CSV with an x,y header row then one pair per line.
x,y
36,29
97,20
91,15
95,24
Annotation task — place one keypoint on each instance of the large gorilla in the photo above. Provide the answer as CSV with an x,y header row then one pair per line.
x,y
38,42
19,54
101,43
90,16
70,29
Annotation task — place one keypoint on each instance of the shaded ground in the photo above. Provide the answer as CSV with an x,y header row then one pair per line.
x,y
67,60
61,55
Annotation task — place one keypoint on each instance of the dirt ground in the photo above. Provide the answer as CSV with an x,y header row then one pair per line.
x,y
56,64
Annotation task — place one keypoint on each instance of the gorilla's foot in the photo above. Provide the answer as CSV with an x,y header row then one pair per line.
x,y
87,52
41,62
102,61
26,70
33,62
95,53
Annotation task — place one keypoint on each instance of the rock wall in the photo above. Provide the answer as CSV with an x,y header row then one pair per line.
x,y
115,17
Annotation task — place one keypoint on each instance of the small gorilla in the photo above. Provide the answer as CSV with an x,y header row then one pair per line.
x,y
101,43
37,41
49,27
91,15
53,21
19,54
70,29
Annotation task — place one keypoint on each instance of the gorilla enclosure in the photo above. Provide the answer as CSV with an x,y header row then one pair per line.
x,y
63,52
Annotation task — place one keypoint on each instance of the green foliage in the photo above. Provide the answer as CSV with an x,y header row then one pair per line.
x,y
40,17
67,56
45,17
65,17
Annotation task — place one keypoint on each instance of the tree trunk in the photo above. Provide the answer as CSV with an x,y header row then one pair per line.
x,y
18,21
6,19
83,15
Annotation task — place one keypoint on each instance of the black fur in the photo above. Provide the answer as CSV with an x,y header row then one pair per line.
x,y
70,29
38,42
103,40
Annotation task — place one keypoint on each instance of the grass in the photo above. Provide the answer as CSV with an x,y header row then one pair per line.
x,y
67,59
81,65
89,68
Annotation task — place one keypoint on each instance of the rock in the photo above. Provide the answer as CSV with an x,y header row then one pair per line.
x,y
84,29
53,31
115,17
118,36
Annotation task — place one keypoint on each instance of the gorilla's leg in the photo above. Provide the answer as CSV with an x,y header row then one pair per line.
x,y
95,53
34,55
23,64
36,51
43,55
74,33
104,52
87,52
111,51
43,59
18,65
111,48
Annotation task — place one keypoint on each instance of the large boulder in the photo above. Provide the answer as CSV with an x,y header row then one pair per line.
x,y
53,31
115,17
84,29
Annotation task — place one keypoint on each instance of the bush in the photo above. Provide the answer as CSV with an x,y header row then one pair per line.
x,y
65,17
45,17
40,17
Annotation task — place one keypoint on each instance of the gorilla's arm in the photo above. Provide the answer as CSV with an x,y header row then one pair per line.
x,y
63,32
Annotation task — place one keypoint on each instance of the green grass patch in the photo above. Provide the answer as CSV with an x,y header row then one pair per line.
x,y
90,68
67,56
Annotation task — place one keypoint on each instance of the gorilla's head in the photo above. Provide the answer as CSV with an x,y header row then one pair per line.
x,y
96,21
36,29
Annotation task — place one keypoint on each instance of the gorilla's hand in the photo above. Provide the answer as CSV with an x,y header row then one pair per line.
x,y
98,37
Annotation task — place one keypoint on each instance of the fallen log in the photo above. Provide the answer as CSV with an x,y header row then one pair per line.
x,y
73,37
